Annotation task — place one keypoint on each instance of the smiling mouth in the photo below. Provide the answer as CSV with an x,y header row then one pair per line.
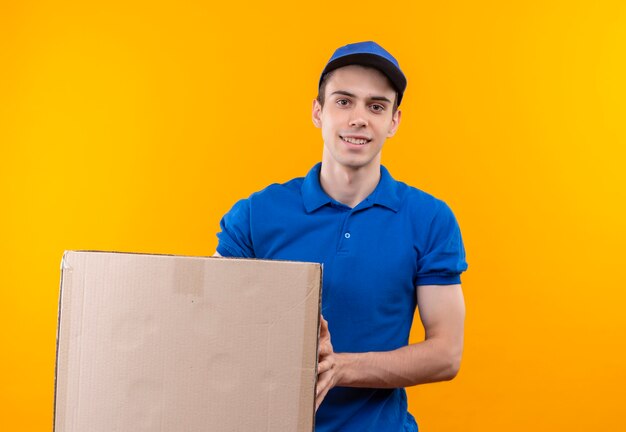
x,y
355,141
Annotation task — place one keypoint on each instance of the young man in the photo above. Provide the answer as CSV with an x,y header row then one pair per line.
x,y
386,248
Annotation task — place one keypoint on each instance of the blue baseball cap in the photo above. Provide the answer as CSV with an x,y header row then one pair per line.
x,y
368,54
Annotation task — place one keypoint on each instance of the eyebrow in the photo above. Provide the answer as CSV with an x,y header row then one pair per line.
x,y
376,98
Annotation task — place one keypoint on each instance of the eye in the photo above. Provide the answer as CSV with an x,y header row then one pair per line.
x,y
343,102
377,108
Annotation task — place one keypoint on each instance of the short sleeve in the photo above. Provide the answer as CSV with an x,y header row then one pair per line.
x,y
443,257
234,239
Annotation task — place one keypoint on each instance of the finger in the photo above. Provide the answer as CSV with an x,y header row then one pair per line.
x,y
325,348
323,381
320,397
323,327
323,366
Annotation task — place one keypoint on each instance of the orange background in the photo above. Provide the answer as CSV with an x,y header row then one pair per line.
x,y
133,126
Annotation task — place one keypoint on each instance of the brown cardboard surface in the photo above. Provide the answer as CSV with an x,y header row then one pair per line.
x,y
172,343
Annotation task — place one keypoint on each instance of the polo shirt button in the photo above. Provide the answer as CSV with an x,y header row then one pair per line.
x,y
347,235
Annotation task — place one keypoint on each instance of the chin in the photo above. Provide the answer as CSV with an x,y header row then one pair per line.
x,y
357,164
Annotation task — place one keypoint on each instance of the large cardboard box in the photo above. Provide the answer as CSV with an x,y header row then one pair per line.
x,y
172,343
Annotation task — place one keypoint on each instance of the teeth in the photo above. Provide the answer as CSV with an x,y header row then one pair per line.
x,y
354,140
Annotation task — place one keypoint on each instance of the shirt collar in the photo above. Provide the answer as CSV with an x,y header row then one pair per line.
x,y
387,192
314,197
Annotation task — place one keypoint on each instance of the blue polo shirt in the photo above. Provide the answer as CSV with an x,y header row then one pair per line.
x,y
374,255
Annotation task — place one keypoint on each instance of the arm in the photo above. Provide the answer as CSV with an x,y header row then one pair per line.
x,y
437,358
234,238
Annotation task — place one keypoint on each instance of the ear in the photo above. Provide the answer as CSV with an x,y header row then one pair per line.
x,y
317,114
395,122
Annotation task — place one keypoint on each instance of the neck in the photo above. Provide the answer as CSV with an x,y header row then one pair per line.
x,y
347,185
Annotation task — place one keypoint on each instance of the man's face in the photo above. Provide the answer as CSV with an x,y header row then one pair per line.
x,y
357,116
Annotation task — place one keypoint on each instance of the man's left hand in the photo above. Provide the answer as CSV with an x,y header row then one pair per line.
x,y
327,364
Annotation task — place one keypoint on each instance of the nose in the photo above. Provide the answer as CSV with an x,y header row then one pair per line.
x,y
358,117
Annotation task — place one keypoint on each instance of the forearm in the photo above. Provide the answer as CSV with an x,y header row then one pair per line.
x,y
438,358
429,361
